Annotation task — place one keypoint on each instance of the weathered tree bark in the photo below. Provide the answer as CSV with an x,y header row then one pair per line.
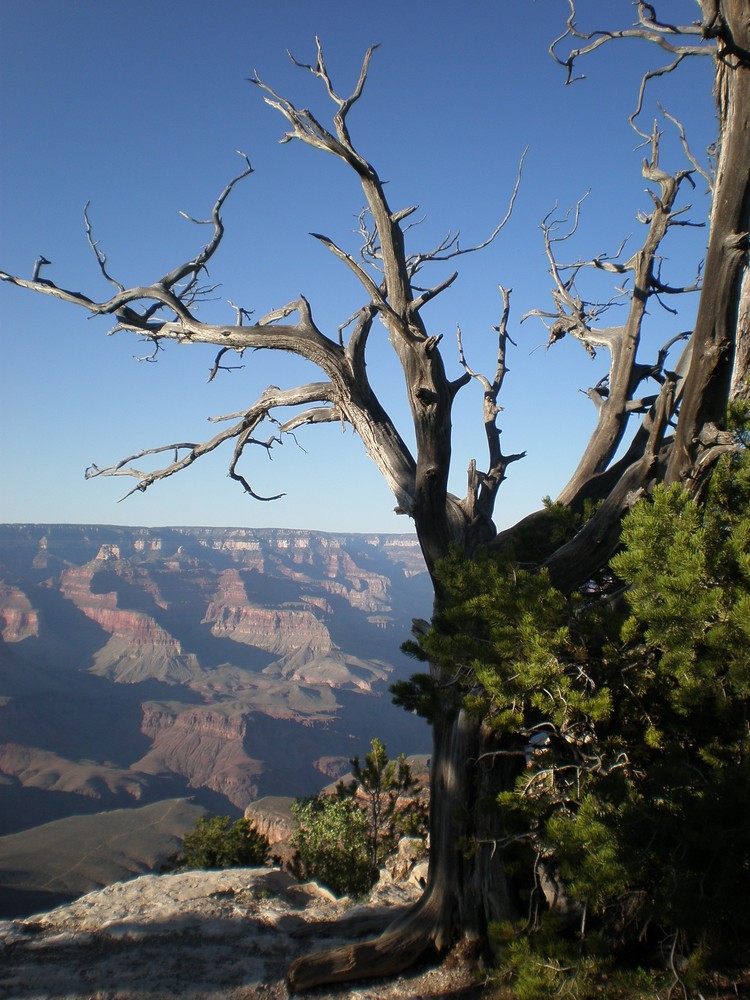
x,y
468,888
715,338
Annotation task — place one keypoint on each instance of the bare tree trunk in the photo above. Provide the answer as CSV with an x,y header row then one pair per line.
x,y
740,388
717,328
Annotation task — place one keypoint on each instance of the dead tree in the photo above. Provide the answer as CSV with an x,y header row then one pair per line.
x,y
679,404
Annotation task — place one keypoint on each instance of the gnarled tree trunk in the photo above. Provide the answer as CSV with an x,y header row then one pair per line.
x,y
719,362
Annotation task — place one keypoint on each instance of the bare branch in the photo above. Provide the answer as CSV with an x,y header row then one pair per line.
x,y
482,488
645,80
100,255
345,104
315,415
39,263
241,432
305,125
575,562
450,247
372,289
686,148
161,293
217,366
153,357
577,317
674,39
195,266
431,293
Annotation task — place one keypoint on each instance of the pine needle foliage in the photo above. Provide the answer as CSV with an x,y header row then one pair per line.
x,y
343,839
630,719
332,844
217,842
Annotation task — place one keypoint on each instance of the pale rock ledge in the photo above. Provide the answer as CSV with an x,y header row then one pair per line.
x,y
202,935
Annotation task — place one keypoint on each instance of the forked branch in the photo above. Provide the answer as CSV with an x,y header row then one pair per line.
x,y
450,247
167,291
616,395
241,433
679,40
482,487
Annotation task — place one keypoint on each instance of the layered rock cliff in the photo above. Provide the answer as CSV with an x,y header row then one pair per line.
x,y
20,620
205,746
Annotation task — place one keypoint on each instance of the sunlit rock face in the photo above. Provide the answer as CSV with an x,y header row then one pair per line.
x,y
141,665
18,619
206,746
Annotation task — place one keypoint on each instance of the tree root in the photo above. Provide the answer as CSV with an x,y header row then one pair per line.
x,y
406,940
370,921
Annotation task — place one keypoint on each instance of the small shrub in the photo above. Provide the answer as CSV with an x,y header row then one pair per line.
x,y
385,790
332,845
217,842
343,838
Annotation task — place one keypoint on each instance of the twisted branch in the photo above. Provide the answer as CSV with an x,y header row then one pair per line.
x,y
482,487
240,432
672,38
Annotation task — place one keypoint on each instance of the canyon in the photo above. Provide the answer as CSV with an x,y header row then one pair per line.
x,y
204,667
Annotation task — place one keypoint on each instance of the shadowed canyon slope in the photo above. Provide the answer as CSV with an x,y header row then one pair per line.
x,y
221,665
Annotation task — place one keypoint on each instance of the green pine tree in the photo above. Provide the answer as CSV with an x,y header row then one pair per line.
x,y
381,785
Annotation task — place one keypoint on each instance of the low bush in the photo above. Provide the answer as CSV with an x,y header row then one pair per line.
x,y
332,845
217,842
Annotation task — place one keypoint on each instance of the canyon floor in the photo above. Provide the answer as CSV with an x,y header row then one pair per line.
x,y
227,935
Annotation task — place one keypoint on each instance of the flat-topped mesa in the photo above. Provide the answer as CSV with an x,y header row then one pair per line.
x,y
276,631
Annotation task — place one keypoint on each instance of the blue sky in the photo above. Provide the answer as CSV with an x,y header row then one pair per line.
x,y
139,107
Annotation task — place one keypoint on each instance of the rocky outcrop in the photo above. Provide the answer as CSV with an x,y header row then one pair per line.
x,y
139,647
272,816
21,620
158,718
41,769
232,614
408,863
127,659
365,594
323,559
336,670
297,635
219,935
76,586
333,767
205,746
